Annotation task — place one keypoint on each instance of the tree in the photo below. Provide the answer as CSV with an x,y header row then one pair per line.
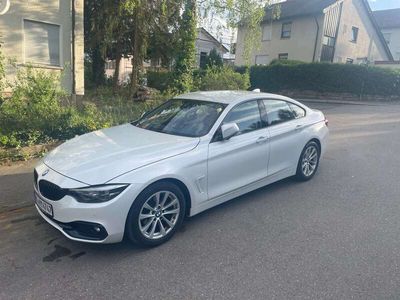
x,y
94,43
214,59
2,73
102,23
164,36
159,29
246,13
150,19
121,28
186,49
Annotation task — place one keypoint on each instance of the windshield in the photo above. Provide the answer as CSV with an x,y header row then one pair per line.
x,y
182,117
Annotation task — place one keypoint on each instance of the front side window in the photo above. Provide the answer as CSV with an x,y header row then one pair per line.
x,y
286,30
42,43
182,117
262,60
283,56
246,116
354,34
278,111
266,33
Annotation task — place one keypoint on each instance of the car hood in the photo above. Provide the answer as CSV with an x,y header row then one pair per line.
x,y
102,155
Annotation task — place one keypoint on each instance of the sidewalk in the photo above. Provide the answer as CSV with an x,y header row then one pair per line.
x,y
348,102
15,184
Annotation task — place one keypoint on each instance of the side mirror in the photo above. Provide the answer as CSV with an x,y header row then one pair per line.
x,y
229,130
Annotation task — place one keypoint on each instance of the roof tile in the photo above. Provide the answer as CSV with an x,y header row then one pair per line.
x,y
389,18
295,8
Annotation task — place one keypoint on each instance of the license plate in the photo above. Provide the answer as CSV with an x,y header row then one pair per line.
x,y
44,206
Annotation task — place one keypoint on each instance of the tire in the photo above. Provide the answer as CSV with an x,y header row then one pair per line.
x,y
151,223
307,167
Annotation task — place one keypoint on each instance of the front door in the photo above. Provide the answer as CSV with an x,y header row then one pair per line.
x,y
242,159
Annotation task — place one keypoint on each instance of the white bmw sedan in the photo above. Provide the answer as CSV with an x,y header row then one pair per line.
x,y
141,179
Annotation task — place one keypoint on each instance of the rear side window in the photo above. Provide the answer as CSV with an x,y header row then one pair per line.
x,y
246,116
297,110
278,111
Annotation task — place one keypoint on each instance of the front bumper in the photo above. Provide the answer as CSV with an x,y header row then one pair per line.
x,y
87,222
72,232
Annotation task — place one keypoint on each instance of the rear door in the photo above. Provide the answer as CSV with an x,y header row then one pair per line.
x,y
242,159
286,123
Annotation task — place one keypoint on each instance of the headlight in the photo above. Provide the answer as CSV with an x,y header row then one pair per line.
x,y
97,194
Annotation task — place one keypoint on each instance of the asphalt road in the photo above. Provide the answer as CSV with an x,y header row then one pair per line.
x,y
335,237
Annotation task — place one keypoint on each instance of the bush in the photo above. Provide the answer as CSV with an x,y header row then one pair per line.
x,y
324,77
2,73
224,79
213,59
76,122
160,80
125,112
241,69
33,110
34,114
213,78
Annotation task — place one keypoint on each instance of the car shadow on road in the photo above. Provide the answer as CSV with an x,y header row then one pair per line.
x,y
198,222
244,200
24,220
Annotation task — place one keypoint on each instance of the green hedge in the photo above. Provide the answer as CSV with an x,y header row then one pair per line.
x,y
324,77
212,78
286,62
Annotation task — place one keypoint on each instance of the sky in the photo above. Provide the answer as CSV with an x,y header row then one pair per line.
x,y
384,4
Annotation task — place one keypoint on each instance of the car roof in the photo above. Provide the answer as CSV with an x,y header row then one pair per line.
x,y
229,97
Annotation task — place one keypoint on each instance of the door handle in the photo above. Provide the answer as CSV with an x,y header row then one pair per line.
x,y
262,139
299,127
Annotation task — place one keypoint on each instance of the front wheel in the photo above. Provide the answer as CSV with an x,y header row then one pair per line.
x,y
308,161
156,214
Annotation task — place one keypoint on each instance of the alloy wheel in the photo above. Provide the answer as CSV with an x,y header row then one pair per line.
x,y
159,215
309,161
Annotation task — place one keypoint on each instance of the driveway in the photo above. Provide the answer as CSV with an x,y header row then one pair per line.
x,y
335,237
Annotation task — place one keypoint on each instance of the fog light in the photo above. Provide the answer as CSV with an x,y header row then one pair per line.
x,y
85,230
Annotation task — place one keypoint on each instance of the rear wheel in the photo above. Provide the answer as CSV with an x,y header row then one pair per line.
x,y
156,214
308,161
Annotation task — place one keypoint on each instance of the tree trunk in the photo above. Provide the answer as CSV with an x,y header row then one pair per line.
x,y
98,67
117,71
136,54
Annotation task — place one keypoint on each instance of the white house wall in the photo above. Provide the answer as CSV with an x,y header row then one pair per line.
x,y
394,43
368,44
300,46
54,12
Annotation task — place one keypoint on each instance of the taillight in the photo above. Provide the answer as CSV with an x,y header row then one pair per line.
x,y
326,122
